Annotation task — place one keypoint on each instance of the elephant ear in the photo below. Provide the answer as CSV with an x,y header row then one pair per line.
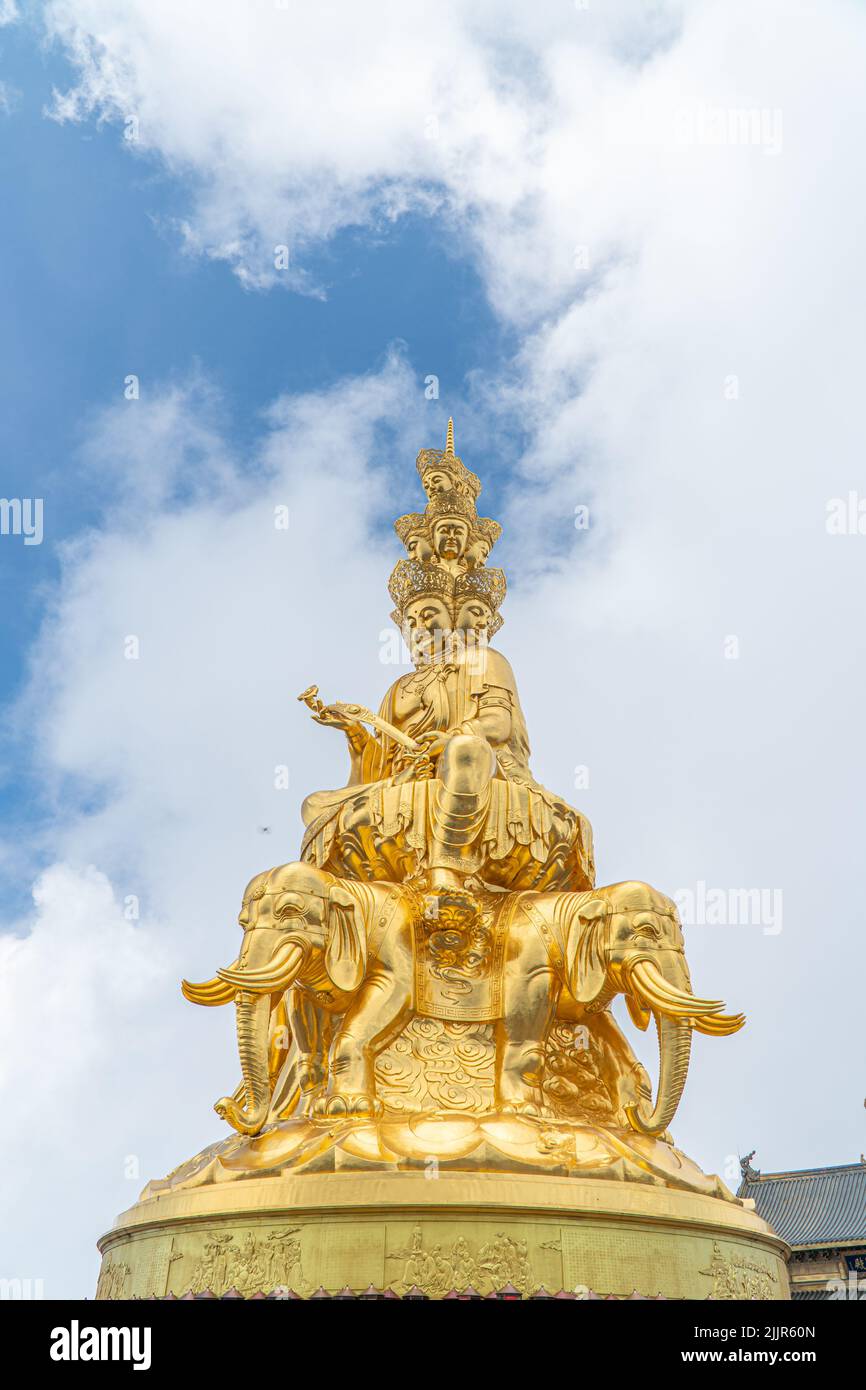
x,y
346,949
585,950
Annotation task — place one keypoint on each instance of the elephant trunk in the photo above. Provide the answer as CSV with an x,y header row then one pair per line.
x,y
675,1043
662,985
253,1015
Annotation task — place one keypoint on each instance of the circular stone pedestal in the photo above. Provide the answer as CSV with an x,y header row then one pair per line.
x,y
394,1230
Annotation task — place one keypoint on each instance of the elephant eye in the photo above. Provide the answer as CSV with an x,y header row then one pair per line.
x,y
289,906
646,929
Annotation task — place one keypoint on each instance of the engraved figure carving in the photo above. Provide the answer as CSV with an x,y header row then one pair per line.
x,y
113,1279
736,1277
484,1266
251,1264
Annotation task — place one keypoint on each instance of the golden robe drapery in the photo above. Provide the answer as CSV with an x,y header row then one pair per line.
x,y
378,826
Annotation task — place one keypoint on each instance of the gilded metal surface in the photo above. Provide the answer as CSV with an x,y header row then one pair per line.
x,y
441,1231
444,882
431,982
735,1276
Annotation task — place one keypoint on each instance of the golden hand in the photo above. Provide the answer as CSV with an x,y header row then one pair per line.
x,y
332,716
336,719
433,742
419,769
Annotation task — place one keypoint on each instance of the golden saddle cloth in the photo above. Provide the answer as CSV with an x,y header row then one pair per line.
x,y
460,960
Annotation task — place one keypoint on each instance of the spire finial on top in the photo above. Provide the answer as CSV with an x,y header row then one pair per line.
x,y
449,439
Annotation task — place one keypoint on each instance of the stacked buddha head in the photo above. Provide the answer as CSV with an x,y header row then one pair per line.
x,y
444,592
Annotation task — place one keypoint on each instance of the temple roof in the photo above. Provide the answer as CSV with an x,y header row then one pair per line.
x,y
815,1206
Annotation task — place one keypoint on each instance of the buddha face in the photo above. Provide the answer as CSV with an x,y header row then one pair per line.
x,y
450,535
474,615
477,553
425,622
436,480
418,547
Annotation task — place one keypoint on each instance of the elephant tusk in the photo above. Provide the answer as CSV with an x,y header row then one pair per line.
x,y
239,980
291,953
719,1025
281,972
651,987
209,992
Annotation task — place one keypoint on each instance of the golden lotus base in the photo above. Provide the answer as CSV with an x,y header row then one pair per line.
x,y
441,1231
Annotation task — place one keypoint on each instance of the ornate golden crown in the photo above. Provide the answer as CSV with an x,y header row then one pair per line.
x,y
411,579
488,529
456,500
451,503
446,461
487,585
412,524
447,504
425,576
482,583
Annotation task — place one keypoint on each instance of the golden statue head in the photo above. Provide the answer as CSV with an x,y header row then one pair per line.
x,y
440,470
485,534
424,598
450,532
414,531
477,597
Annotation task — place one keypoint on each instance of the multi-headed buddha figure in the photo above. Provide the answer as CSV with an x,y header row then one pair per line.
x,y
452,802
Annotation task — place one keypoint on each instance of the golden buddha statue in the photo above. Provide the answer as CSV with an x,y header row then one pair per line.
x,y
467,851
466,804
432,983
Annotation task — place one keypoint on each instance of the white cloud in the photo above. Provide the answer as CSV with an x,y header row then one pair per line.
x,y
558,130
232,617
83,957
163,774
85,1047
293,122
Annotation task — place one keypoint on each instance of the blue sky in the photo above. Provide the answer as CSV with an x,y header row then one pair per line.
x,y
94,289
96,285
668,330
